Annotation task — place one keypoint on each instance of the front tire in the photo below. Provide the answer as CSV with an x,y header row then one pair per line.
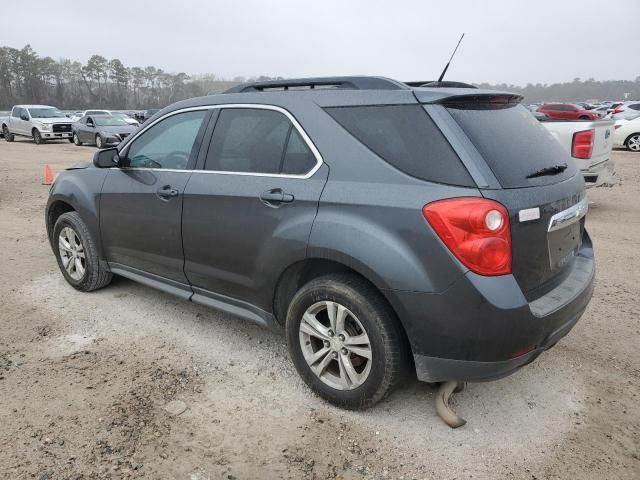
x,y
77,254
633,142
345,341
37,137
99,141
7,135
76,141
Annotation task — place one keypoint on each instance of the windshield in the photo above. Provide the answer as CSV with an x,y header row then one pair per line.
x,y
46,113
109,121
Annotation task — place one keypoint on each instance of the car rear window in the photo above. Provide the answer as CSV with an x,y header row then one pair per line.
x,y
407,138
514,144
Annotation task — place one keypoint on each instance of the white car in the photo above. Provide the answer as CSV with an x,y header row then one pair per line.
x,y
627,134
124,116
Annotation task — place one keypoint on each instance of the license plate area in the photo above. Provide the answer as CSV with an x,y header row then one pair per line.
x,y
563,244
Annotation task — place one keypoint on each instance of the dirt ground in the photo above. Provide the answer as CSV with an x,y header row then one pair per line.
x,y
84,378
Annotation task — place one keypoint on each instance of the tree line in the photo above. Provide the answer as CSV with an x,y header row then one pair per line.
x,y
26,77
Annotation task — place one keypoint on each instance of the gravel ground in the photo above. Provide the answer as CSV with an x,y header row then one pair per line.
x,y
84,378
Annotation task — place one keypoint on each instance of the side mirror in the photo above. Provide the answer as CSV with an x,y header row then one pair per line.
x,y
106,158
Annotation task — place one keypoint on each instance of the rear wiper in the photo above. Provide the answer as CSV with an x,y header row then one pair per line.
x,y
553,170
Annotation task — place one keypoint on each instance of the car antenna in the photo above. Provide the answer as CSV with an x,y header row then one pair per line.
x,y
447,66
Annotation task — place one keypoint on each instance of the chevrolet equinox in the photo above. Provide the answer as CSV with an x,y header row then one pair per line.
x,y
385,228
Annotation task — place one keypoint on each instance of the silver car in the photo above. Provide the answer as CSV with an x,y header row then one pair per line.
x,y
627,110
101,130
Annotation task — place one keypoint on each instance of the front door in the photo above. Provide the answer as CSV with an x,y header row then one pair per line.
x,y
141,201
249,208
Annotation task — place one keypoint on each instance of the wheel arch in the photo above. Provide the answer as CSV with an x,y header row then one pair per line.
x,y
303,271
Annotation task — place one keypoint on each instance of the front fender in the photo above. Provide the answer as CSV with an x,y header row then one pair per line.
x,y
80,189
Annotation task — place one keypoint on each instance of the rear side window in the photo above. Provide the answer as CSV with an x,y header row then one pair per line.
x,y
514,144
407,138
251,140
635,106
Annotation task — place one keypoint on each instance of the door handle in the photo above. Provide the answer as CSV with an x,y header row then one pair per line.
x,y
167,192
275,197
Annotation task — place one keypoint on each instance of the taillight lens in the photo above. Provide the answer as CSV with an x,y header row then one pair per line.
x,y
619,110
582,146
476,230
615,127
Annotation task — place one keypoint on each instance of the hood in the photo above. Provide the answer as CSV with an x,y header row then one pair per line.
x,y
52,120
80,166
118,129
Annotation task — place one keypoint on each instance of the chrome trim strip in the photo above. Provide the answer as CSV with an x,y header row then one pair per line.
x,y
292,119
569,216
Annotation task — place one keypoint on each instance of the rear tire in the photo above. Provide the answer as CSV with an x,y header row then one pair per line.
x,y
345,376
77,254
76,141
37,137
9,137
633,142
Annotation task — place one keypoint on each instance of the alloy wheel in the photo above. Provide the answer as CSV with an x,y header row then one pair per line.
x,y
335,345
634,143
72,253
98,141
76,140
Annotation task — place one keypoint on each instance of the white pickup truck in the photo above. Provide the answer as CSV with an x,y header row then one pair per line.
x,y
40,122
589,143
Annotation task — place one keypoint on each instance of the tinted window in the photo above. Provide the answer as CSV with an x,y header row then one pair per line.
x,y
298,158
406,137
635,106
514,144
167,144
257,141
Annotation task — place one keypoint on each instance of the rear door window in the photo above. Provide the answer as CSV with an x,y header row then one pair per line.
x,y
262,141
405,137
514,144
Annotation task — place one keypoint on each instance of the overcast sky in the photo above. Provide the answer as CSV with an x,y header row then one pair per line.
x,y
506,41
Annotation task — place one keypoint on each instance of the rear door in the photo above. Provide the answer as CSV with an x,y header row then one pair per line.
x,y
537,180
249,207
141,202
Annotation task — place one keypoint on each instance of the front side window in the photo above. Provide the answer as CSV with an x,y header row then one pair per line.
x,y
251,140
167,144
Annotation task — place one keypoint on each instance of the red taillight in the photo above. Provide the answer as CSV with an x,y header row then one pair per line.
x,y
476,230
582,146
619,110
615,127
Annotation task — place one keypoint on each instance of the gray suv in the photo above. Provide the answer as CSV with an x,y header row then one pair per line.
x,y
386,229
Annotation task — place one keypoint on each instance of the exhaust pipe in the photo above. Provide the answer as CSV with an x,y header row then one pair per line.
x,y
442,403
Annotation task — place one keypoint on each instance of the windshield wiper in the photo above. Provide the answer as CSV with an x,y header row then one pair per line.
x,y
553,170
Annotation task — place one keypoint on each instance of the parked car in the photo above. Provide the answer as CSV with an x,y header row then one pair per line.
x,y
567,111
370,222
590,144
149,113
627,111
40,122
627,134
101,130
126,117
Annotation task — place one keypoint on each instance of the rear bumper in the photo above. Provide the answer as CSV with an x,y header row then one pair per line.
x,y
482,328
600,174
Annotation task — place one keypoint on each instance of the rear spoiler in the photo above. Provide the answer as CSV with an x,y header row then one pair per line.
x,y
484,101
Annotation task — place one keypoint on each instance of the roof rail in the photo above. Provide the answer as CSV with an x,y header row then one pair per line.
x,y
346,83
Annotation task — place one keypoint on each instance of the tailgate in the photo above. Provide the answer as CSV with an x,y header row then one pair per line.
x,y
602,144
544,248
